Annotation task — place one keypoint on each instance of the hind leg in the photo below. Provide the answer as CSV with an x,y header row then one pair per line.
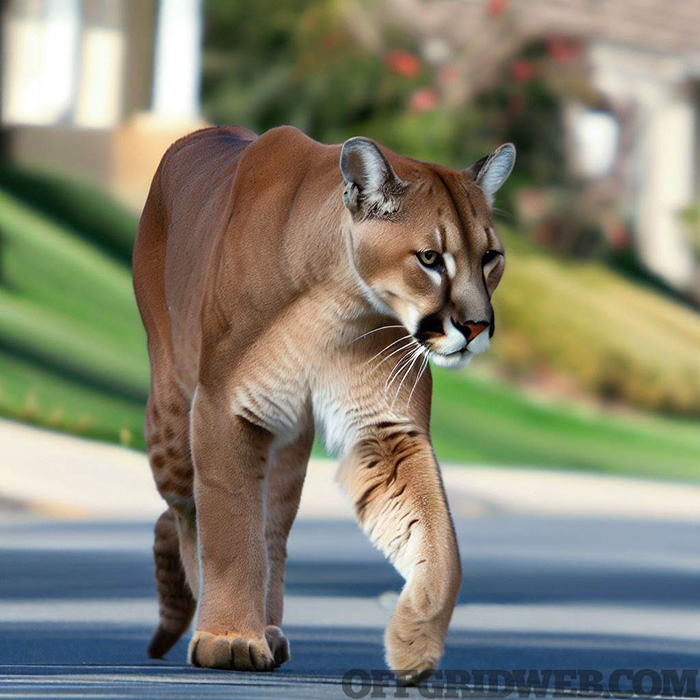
x,y
175,548
287,469
166,428
167,436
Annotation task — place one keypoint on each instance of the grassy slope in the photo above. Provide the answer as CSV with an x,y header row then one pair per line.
x,y
614,338
72,351
482,421
32,393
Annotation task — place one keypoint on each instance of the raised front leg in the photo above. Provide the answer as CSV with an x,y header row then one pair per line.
x,y
230,457
397,490
286,473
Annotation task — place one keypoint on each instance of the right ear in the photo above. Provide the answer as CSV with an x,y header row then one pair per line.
x,y
491,171
372,188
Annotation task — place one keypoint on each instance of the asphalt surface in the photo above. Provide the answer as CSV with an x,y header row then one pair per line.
x,y
77,607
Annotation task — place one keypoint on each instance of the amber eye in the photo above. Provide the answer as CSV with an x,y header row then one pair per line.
x,y
430,259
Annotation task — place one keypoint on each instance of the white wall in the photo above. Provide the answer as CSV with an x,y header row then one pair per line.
x,y
178,59
40,53
65,61
662,168
102,66
666,187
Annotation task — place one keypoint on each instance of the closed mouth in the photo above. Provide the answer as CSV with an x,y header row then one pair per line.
x,y
455,359
431,350
457,356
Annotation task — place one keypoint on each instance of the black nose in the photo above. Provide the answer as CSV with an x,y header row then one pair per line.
x,y
470,329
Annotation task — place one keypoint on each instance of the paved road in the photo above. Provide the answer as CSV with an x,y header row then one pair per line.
x,y
77,606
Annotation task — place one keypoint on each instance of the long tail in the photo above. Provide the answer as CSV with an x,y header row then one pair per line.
x,y
177,605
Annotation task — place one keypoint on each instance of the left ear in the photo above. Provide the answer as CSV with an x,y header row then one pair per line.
x,y
491,171
372,188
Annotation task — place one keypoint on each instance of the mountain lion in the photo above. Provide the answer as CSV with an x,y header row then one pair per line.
x,y
287,285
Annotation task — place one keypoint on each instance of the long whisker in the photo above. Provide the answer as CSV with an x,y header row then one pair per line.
x,y
406,369
404,337
403,347
424,364
416,355
503,213
399,365
375,330
406,363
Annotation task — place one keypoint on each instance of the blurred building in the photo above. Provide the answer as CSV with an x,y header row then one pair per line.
x,y
645,59
98,89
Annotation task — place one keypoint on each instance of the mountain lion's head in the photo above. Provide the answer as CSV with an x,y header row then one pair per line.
x,y
424,244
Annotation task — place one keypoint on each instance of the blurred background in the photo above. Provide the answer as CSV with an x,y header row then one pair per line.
x,y
596,363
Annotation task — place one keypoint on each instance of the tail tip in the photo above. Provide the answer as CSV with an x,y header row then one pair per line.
x,y
161,643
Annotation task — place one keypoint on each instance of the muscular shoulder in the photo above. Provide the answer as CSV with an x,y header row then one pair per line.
x,y
232,134
284,149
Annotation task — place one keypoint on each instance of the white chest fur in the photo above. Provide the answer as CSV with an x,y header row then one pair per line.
x,y
332,418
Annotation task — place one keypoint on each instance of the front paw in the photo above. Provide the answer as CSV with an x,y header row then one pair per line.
x,y
413,647
279,644
412,659
230,651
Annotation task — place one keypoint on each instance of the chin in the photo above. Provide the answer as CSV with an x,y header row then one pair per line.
x,y
454,360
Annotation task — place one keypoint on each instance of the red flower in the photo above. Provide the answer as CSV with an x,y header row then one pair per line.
x,y
619,236
330,41
423,100
562,50
448,74
516,106
403,63
522,70
496,7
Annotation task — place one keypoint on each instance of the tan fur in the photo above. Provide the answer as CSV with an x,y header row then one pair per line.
x,y
262,295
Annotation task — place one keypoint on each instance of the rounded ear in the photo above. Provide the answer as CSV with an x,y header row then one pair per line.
x,y
371,185
491,171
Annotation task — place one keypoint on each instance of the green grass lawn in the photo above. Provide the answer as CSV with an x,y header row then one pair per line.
x,y
480,420
610,337
73,355
72,349
32,393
